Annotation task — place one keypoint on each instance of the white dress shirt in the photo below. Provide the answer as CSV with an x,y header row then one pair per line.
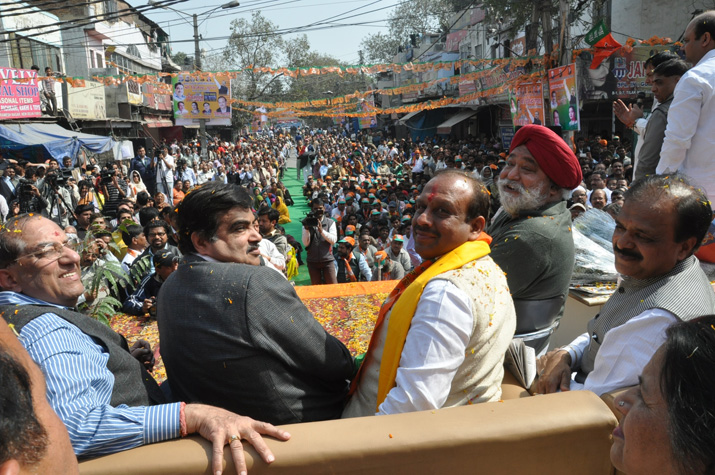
x,y
165,169
625,351
434,350
690,135
275,258
331,235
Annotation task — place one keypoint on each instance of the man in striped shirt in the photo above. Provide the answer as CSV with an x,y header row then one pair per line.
x,y
106,399
32,437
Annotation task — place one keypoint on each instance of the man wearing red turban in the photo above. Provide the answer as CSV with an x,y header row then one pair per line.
x,y
531,233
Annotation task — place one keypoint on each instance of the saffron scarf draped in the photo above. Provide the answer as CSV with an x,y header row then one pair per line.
x,y
403,302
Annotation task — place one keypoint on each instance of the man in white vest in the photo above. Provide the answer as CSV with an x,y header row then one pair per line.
x,y
662,223
441,335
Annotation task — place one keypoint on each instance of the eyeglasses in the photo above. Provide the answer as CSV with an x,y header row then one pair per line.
x,y
52,251
151,235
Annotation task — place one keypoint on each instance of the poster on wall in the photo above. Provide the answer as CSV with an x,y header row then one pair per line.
x,y
563,98
87,102
366,105
526,104
19,94
201,98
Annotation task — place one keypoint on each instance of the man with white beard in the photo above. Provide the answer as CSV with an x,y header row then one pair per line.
x,y
532,241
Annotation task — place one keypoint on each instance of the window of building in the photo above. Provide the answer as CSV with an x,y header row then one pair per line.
x,y
134,51
110,9
127,66
28,51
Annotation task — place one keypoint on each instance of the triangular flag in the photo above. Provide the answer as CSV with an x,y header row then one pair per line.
x,y
602,42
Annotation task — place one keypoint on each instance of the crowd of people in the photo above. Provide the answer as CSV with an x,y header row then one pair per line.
x,y
476,236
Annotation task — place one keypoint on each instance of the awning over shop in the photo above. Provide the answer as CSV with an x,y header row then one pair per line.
x,y
446,126
39,142
409,116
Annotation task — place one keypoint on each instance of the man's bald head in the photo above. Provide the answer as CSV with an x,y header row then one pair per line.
x,y
699,37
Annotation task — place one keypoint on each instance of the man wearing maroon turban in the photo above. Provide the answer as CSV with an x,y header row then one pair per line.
x,y
531,233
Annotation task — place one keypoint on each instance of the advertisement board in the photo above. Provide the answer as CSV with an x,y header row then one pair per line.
x,y
87,102
563,98
621,75
526,104
19,94
155,98
199,98
368,104
134,93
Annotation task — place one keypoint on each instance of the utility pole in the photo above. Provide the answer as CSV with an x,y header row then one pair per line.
x,y
565,36
197,64
565,46
532,29
547,23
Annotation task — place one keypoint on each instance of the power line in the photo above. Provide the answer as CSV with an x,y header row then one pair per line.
x,y
168,23
28,8
70,24
314,26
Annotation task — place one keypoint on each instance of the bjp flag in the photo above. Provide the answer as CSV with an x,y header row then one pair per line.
x,y
602,42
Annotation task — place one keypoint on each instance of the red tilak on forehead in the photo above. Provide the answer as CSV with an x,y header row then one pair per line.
x,y
431,195
56,233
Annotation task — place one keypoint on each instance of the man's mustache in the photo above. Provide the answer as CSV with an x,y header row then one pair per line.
x,y
252,248
625,253
422,229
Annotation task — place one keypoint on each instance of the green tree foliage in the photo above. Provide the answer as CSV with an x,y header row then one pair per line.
x,y
181,57
414,17
253,42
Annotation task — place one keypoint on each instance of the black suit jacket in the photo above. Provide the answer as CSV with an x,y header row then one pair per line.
x,y
237,336
6,192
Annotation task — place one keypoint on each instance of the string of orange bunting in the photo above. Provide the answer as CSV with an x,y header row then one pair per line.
x,y
487,69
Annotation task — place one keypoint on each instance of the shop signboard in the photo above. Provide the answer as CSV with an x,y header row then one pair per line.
x,y
87,101
19,94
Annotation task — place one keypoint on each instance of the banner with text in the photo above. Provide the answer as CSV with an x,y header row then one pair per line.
x,y
563,98
87,102
19,97
365,106
198,98
621,75
526,104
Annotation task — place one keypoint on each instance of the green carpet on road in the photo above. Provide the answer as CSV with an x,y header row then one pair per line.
x,y
297,212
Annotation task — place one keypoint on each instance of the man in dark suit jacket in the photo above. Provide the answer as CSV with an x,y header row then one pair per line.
x,y
234,333
144,165
7,189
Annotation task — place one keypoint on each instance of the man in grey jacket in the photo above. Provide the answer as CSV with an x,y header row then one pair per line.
x,y
234,333
665,78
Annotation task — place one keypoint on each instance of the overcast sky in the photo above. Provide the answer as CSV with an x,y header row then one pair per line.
x,y
330,36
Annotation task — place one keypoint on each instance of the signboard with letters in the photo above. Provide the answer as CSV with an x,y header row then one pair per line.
x,y
19,94
87,102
